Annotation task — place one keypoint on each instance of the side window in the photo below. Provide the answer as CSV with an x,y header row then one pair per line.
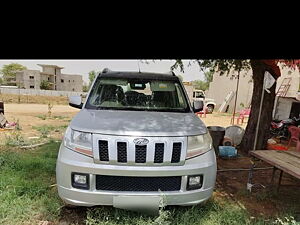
x,y
199,94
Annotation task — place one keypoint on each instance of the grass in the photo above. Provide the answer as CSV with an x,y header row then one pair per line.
x,y
44,117
32,99
28,196
15,139
45,130
59,117
214,212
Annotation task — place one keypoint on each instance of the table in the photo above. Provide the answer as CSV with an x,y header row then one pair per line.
x,y
285,161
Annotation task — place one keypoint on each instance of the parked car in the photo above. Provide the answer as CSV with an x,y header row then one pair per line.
x,y
196,95
210,103
135,139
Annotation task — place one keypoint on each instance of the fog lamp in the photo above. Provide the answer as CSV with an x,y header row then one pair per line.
x,y
80,180
194,182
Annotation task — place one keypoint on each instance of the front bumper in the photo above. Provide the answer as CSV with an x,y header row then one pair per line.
x,y
69,161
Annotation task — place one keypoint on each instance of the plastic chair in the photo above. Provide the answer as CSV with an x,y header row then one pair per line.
x,y
202,113
240,116
295,133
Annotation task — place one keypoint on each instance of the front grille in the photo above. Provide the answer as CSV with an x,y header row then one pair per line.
x,y
103,150
122,183
122,152
176,152
140,153
159,153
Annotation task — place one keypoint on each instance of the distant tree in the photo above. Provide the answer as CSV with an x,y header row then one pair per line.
x,y
45,85
92,75
200,84
1,80
85,87
258,67
208,76
9,72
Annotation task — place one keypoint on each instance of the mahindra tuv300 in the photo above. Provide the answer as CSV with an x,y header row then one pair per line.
x,y
136,137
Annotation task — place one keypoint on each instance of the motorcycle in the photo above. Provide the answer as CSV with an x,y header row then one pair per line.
x,y
280,129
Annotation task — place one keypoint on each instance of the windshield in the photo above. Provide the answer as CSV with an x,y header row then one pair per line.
x,y
137,94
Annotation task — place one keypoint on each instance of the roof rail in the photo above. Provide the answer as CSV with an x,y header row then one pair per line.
x,y
172,73
106,70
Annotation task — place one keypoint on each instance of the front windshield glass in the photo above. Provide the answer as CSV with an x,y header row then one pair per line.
x,y
137,94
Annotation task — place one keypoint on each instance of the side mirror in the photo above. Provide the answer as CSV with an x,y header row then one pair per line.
x,y
75,101
197,106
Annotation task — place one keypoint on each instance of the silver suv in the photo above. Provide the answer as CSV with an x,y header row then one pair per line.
x,y
135,139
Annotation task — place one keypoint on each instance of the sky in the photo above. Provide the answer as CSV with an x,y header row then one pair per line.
x,y
83,67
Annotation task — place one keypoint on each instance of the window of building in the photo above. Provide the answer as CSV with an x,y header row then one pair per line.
x,y
48,78
31,77
31,86
73,80
69,81
73,89
62,80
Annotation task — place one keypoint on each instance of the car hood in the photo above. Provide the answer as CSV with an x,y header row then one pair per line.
x,y
138,123
209,100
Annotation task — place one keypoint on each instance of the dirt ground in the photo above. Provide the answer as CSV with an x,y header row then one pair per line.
x,y
221,119
31,115
261,202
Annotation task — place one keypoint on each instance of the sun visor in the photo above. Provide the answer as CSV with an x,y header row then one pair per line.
x,y
121,82
162,86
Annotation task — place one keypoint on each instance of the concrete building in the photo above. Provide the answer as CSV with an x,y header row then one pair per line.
x,y
222,86
32,79
284,107
289,105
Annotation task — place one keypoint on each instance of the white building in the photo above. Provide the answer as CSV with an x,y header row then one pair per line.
x,y
32,79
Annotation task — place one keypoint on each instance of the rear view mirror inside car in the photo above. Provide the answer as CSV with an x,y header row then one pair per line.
x,y
137,86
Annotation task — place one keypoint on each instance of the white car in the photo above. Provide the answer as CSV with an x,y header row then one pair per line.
x,y
210,103
136,140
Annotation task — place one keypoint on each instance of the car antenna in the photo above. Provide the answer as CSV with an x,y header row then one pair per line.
x,y
139,66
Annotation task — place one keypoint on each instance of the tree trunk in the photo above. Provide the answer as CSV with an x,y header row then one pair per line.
x,y
258,69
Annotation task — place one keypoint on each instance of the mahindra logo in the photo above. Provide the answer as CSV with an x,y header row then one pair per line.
x,y
141,141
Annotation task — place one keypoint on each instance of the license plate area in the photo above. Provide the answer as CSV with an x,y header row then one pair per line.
x,y
145,204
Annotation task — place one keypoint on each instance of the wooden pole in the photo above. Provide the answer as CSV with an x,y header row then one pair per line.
x,y
236,94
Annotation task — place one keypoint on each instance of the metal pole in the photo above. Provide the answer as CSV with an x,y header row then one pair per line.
x,y
259,114
236,94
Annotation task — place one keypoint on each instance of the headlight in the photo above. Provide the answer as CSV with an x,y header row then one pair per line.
x,y
79,141
198,145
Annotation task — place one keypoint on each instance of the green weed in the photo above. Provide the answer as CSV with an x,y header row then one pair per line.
x,y
26,194
42,117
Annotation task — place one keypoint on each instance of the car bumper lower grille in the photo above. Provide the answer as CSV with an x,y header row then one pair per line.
x,y
124,183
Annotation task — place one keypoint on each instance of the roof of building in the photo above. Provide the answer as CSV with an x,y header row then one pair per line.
x,y
47,65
